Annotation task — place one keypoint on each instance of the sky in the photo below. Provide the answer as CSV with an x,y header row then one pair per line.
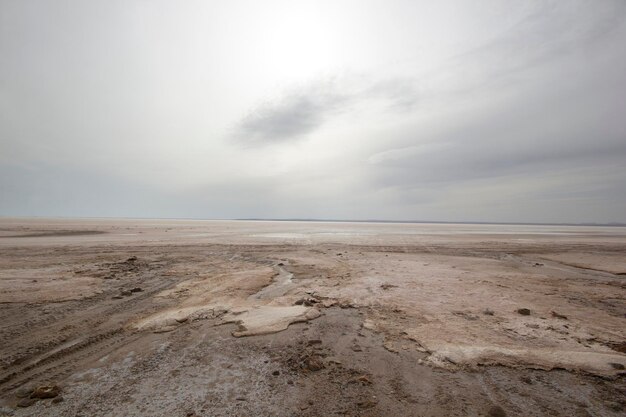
x,y
447,110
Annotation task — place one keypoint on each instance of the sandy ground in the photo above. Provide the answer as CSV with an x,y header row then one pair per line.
x,y
220,318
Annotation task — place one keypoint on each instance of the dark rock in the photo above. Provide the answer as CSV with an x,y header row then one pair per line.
x,y
313,363
46,391
523,311
367,404
619,346
131,259
126,293
488,312
281,264
57,400
314,342
117,297
276,373
387,286
308,302
136,289
26,402
618,366
363,380
614,406
496,411
558,316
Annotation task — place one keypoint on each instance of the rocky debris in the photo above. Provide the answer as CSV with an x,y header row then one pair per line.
x,y
537,264
136,289
614,406
617,346
24,392
26,402
465,315
313,363
526,380
488,312
617,366
369,403
361,379
496,411
6,411
46,391
308,302
523,311
558,316
131,259
387,286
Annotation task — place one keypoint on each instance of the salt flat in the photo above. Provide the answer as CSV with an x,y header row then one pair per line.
x,y
209,318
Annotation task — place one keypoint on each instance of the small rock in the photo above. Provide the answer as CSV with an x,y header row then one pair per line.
x,y
523,311
46,391
614,406
558,316
313,364
241,399
26,402
618,366
488,312
496,411
24,392
57,400
314,342
357,348
526,380
281,264
363,379
367,404
387,286
136,289
131,259
276,373
117,297
126,293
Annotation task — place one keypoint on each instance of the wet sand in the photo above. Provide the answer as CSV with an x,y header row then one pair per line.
x,y
224,318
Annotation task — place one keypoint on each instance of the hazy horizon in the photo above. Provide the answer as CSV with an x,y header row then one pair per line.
x,y
449,111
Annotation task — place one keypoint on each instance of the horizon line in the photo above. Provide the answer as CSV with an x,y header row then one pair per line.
x,y
296,219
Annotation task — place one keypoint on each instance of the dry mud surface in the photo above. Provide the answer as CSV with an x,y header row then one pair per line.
x,y
218,318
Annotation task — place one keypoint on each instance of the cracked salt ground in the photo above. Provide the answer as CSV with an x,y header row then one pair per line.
x,y
405,321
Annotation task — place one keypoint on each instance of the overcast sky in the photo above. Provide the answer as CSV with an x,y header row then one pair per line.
x,y
426,110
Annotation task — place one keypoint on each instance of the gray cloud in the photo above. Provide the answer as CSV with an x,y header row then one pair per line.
x,y
301,111
291,117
